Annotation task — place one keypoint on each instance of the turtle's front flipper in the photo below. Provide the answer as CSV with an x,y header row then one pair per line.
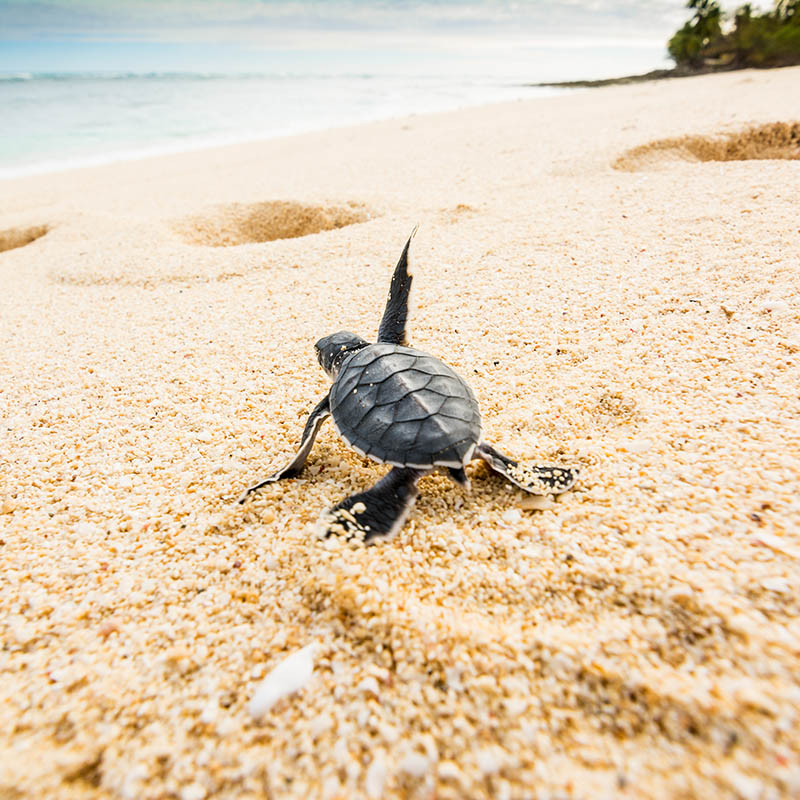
x,y
393,324
377,513
313,424
532,478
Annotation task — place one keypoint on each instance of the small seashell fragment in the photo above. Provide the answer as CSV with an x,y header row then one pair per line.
x,y
449,770
415,764
773,542
368,685
320,724
210,713
488,761
291,675
746,787
536,502
639,445
194,791
777,584
375,781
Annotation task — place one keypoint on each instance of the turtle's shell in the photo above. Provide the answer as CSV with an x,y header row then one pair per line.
x,y
405,407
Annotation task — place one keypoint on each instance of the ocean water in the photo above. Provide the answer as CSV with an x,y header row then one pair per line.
x,y
58,120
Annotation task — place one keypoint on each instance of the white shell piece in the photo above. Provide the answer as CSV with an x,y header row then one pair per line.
x,y
375,782
291,675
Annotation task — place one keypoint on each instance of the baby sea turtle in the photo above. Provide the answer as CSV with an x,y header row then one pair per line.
x,y
403,407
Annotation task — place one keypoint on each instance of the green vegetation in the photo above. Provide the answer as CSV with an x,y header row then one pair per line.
x,y
745,38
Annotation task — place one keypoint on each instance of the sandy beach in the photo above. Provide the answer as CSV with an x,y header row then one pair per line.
x,y
618,283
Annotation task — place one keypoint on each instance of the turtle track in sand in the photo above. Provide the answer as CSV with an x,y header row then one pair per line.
x,y
776,140
11,238
250,223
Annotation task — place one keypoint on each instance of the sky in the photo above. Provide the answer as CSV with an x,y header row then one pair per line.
x,y
209,35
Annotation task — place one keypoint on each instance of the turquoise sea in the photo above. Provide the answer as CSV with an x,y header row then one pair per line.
x,y
55,120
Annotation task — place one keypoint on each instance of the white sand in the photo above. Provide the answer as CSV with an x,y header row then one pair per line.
x,y
637,638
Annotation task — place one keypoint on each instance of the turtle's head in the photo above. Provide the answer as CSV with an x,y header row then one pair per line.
x,y
334,349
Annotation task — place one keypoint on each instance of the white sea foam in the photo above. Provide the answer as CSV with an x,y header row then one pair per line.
x,y
56,121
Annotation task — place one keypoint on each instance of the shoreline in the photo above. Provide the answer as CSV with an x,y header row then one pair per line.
x,y
429,100
653,75
78,162
157,151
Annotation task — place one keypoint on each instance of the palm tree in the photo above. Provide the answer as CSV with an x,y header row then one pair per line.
x,y
787,9
706,20
686,46
768,39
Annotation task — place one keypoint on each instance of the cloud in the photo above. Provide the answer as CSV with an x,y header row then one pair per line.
x,y
248,20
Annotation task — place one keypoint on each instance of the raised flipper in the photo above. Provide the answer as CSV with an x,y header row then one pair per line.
x,y
293,468
395,316
530,477
377,513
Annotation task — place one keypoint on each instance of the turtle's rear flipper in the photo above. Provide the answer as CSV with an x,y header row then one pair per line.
x,y
377,513
459,476
532,478
293,468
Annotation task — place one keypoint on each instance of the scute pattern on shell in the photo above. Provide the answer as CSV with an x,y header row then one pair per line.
x,y
404,407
